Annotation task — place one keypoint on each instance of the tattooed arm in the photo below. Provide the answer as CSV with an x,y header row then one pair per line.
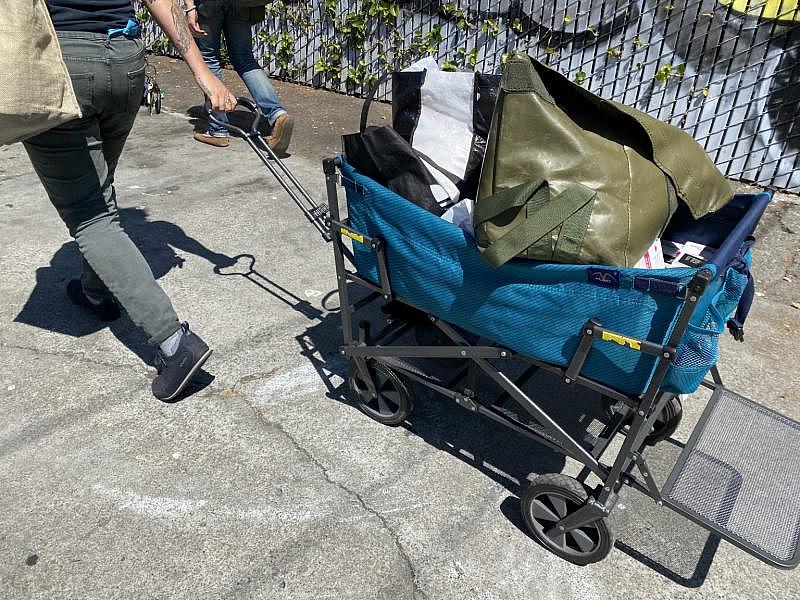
x,y
170,17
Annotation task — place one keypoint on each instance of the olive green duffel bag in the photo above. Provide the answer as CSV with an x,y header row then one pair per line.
x,y
570,177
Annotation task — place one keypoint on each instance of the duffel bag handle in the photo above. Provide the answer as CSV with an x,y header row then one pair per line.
x,y
570,209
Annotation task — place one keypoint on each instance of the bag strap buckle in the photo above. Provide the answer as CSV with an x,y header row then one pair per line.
x,y
736,329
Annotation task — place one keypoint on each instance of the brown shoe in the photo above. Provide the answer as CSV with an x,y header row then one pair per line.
x,y
214,140
281,134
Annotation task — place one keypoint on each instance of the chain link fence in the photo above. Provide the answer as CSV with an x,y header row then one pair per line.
x,y
726,71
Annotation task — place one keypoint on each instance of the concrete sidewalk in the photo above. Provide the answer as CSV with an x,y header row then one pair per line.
x,y
267,482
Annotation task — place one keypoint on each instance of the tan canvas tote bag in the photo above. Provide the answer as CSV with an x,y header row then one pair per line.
x,y
35,89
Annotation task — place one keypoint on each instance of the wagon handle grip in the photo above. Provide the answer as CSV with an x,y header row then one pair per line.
x,y
241,101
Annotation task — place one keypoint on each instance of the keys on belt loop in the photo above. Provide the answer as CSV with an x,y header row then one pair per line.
x,y
152,95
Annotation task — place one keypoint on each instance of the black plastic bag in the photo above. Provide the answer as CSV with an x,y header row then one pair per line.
x,y
383,155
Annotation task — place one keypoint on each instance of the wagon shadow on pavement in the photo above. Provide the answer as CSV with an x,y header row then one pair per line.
x,y
657,538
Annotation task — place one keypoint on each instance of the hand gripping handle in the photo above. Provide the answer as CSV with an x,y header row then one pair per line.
x,y
240,101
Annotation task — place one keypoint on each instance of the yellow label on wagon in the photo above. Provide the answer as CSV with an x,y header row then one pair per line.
x,y
352,235
622,340
778,10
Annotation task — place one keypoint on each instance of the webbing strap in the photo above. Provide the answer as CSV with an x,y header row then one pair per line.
x,y
736,322
368,102
519,75
571,209
508,198
573,230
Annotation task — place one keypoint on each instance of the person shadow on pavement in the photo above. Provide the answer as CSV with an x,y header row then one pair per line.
x,y
49,308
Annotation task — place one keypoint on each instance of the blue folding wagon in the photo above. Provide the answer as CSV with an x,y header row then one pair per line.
x,y
641,338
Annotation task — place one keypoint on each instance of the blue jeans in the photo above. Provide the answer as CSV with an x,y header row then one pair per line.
x,y
216,18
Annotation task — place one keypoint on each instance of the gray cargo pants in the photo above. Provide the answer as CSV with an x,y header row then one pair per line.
x,y
76,163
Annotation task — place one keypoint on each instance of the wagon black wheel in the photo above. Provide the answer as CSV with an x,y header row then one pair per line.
x,y
549,499
391,404
665,424
667,421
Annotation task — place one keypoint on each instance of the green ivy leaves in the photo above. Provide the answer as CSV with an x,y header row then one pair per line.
x,y
359,75
281,48
364,36
667,72
491,27
452,11
370,19
354,29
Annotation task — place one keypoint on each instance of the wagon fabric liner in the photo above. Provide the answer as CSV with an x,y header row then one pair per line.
x,y
539,309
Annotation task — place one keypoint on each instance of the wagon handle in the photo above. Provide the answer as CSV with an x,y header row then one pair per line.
x,y
240,101
317,214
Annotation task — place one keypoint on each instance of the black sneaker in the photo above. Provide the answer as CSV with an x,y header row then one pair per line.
x,y
176,371
107,310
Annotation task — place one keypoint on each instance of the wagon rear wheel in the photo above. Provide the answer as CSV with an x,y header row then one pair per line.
x,y
390,404
549,499
667,422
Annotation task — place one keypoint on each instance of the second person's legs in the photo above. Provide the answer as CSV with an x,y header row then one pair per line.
x,y
238,38
211,18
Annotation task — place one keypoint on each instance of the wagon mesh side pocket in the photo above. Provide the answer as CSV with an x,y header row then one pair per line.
x,y
699,349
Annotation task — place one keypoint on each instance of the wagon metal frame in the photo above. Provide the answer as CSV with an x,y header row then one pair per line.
x,y
639,414
562,513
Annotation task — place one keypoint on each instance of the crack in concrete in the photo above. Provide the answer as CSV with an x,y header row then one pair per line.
x,y
80,356
6,178
255,377
259,417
